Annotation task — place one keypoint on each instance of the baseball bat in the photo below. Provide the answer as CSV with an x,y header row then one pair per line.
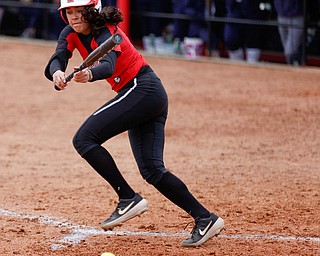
x,y
96,55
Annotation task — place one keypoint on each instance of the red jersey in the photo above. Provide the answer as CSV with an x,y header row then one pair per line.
x,y
129,60
128,64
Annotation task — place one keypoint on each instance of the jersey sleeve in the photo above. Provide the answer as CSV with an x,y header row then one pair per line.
x,y
105,68
63,52
106,65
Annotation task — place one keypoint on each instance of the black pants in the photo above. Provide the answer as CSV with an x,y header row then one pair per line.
x,y
140,108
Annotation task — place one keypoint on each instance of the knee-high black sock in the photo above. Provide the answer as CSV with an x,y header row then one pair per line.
x,y
101,160
177,192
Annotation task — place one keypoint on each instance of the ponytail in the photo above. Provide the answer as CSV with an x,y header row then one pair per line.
x,y
97,21
112,15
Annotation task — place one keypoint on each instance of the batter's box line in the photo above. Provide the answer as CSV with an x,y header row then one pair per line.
x,y
81,232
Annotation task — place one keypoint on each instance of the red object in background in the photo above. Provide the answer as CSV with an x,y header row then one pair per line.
x,y
124,6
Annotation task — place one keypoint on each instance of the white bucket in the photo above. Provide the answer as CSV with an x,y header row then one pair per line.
x,y
193,46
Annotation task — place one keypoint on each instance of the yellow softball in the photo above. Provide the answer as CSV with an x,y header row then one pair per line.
x,y
107,254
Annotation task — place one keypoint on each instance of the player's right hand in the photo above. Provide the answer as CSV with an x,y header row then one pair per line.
x,y
59,79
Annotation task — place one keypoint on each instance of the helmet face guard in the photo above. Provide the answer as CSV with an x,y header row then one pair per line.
x,y
75,3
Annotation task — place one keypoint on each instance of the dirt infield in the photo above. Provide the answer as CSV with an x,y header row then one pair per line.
x,y
245,139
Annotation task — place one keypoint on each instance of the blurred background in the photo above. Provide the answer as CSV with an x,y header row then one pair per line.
x,y
277,31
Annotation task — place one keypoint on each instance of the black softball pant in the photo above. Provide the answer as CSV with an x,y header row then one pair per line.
x,y
140,108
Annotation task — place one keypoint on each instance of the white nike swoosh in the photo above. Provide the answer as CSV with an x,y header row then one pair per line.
x,y
123,211
202,232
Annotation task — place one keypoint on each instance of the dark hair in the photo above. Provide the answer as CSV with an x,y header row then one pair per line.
x,y
97,21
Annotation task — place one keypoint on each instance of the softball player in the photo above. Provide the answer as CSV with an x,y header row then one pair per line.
x,y
140,107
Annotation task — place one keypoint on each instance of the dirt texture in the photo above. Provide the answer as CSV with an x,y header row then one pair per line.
x,y
244,138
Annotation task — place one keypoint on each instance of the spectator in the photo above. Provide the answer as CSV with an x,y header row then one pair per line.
x,y
55,22
30,18
197,27
1,14
180,26
291,22
11,24
217,9
313,42
153,28
243,39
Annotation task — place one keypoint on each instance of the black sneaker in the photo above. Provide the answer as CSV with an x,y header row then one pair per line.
x,y
126,209
203,230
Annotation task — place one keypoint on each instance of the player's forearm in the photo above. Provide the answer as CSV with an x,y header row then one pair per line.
x,y
106,67
54,66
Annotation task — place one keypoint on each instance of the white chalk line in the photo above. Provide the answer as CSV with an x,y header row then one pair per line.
x,y
81,232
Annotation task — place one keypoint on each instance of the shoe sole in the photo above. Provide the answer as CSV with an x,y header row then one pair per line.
x,y
215,230
138,209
